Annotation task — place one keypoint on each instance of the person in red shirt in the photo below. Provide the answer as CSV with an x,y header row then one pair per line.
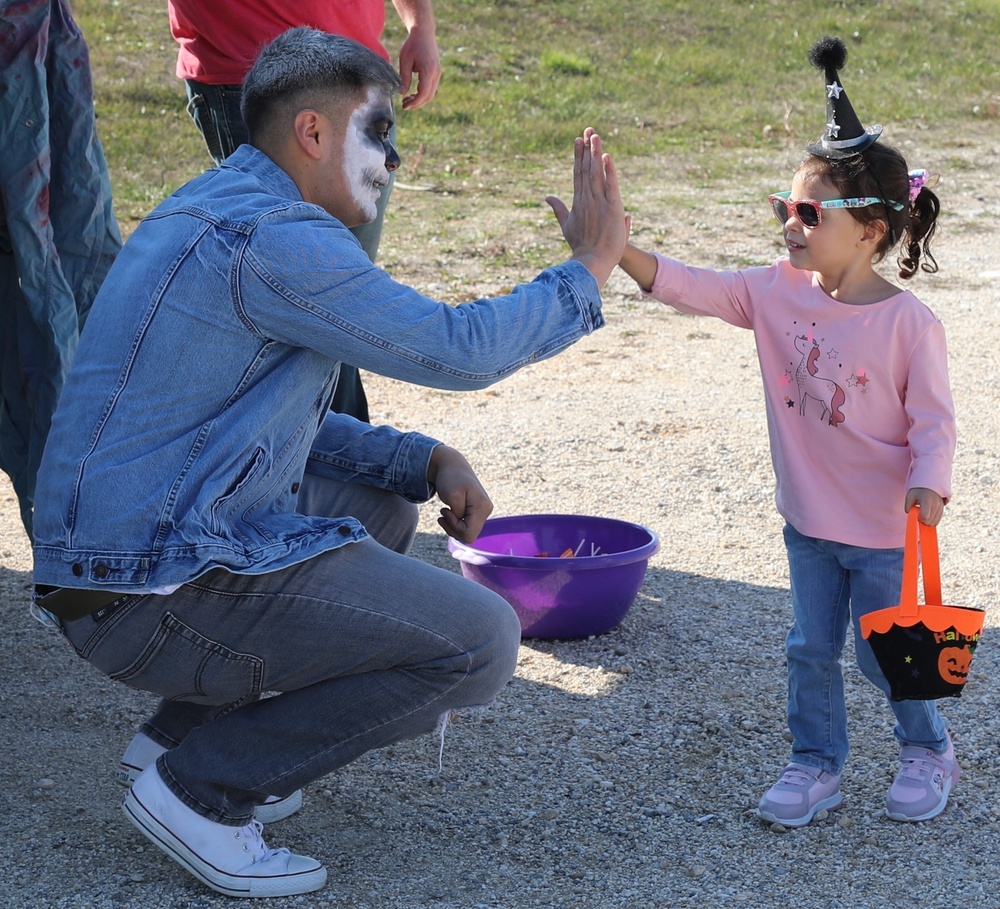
x,y
217,44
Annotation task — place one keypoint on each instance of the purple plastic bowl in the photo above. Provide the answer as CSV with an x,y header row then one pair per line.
x,y
560,597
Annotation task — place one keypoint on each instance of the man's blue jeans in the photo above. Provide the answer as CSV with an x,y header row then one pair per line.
x,y
834,584
365,646
215,110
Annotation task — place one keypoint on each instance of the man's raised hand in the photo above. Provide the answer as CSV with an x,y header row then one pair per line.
x,y
596,228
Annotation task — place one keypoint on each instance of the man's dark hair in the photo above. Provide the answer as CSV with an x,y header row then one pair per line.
x,y
304,67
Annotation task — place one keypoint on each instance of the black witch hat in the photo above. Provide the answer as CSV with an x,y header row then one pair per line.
x,y
844,135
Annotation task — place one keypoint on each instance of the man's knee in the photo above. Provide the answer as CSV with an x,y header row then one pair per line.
x,y
499,636
399,529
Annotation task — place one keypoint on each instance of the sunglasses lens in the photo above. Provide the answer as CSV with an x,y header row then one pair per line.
x,y
807,214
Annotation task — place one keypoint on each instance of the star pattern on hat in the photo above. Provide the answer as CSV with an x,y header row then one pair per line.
x,y
844,134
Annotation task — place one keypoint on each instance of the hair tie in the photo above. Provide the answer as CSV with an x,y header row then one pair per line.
x,y
917,180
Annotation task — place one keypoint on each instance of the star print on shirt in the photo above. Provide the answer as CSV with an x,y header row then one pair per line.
x,y
859,380
833,91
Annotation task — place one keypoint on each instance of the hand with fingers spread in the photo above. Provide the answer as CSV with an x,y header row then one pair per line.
x,y
596,228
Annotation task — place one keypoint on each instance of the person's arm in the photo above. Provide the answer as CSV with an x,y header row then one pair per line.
x,y
419,53
351,451
640,266
305,281
596,228
410,464
931,437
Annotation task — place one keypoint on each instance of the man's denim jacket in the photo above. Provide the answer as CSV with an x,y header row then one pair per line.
x,y
200,391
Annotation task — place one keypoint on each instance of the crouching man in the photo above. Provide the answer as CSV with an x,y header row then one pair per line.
x,y
206,529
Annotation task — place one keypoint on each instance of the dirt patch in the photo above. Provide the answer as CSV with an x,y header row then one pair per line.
x,y
619,771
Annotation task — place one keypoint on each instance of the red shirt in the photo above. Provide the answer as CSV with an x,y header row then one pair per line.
x,y
219,39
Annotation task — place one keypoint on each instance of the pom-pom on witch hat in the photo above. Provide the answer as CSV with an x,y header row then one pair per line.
x,y
844,135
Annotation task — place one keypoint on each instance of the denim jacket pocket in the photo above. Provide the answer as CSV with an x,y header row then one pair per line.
x,y
225,510
180,664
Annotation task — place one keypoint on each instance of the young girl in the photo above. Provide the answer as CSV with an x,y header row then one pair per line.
x,y
861,425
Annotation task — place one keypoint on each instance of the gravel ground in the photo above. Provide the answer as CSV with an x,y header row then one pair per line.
x,y
622,770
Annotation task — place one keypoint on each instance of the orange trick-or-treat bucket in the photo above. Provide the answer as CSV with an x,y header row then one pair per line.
x,y
924,651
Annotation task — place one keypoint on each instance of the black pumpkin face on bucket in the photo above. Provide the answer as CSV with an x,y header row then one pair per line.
x,y
925,652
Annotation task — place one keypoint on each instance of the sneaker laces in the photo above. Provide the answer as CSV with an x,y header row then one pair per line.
x,y
795,776
253,834
922,770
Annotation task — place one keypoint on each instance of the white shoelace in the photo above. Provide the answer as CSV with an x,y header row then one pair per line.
x,y
253,834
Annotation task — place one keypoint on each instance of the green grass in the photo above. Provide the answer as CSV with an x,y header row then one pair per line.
x,y
523,77
658,75
151,143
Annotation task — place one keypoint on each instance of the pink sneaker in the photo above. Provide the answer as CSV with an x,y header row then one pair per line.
x,y
799,795
923,783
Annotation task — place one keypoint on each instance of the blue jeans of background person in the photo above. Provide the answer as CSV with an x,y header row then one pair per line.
x,y
58,233
834,584
365,645
215,110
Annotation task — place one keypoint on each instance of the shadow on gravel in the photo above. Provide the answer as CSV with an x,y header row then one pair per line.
x,y
627,763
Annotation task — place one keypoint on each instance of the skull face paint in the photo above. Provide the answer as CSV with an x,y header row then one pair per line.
x,y
369,154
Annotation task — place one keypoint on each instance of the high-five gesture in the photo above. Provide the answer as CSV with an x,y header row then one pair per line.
x,y
596,228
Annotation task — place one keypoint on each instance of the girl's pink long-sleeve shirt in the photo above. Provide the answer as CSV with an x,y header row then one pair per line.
x,y
859,406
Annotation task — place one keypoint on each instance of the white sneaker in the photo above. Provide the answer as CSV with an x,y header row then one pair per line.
x,y
142,751
234,861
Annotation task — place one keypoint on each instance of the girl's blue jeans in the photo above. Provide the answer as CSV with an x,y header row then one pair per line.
x,y
833,585
364,646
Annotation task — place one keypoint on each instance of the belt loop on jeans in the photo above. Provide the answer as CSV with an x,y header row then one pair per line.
x,y
70,603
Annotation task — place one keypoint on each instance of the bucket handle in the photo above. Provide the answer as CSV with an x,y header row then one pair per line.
x,y
921,540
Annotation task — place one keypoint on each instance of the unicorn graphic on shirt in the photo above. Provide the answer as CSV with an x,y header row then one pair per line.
x,y
811,384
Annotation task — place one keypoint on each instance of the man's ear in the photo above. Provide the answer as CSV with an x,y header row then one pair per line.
x,y
307,128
